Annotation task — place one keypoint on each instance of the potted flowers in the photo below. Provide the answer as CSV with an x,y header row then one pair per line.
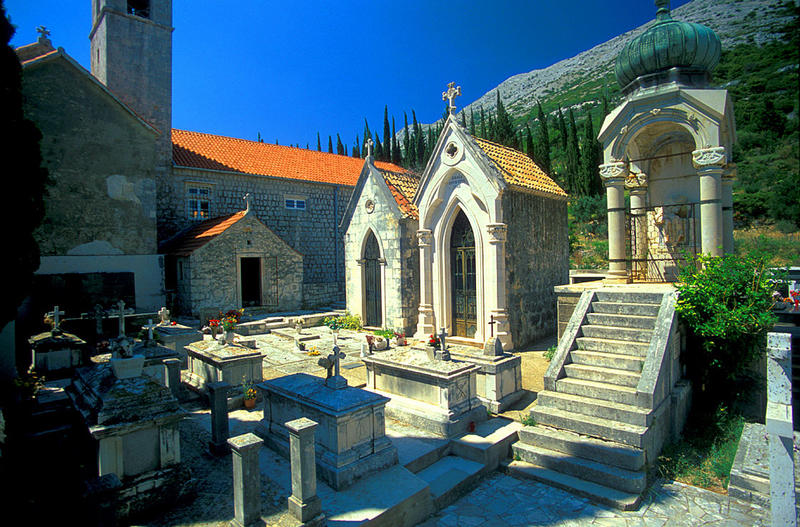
x,y
400,338
229,322
213,325
250,394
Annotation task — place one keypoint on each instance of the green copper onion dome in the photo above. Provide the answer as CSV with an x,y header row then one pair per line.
x,y
668,44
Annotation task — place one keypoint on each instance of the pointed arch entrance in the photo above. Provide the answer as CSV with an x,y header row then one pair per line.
x,y
463,278
372,282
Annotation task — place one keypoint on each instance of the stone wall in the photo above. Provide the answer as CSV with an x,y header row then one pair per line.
x,y
213,270
537,259
313,232
101,158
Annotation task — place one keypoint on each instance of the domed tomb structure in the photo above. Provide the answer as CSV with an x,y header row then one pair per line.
x,y
668,145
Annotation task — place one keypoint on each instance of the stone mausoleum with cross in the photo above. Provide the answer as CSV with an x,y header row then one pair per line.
x,y
476,243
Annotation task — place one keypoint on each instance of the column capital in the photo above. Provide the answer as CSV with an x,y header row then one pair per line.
x,y
614,172
636,182
301,426
424,237
497,232
713,157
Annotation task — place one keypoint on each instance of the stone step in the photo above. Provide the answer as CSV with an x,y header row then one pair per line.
x,y
595,492
607,360
270,320
621,321
600,374
628,297
489,444
623,347
598,390
644,310
277,324
578,467
609,452
610,332
450,478
623,413
417,453
591,426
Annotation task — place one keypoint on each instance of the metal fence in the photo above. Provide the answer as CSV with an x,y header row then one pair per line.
x,y
661,238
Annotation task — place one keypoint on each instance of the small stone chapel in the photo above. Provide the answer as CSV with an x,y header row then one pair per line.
x,y
491,237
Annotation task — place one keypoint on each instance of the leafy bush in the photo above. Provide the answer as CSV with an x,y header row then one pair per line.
x,y
388,334
726,304
550,353
346,321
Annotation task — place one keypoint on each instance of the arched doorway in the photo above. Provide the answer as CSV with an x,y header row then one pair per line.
x,y
372,282
462,278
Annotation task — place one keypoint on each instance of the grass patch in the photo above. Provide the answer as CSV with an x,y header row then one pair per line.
x,y
528,420
783,248
704,456
550,352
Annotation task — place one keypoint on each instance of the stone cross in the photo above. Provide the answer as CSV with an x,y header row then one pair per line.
x,y
121,314
492,322
368,145
452,92
331,363
99,314
43,32
164,314
443,353
442,335
150,327
247,197
55,314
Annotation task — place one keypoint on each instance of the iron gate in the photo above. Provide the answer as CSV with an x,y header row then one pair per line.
x,y
661,239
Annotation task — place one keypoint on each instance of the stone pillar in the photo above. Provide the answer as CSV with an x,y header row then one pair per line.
x,y
613,175
218,398
637,186
173,367
246,479
727,208
780,429
710,163
496,270
304,504
426,323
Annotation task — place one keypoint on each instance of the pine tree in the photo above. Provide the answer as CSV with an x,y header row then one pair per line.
x,y
339,145
387,138
504,129
397,157
319,145
330,145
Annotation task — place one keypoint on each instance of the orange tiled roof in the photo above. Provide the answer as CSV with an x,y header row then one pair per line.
x,y
216,152
188,241
518,169
403,186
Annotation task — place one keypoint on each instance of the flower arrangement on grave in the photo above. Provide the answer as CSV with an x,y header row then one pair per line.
x,y
333,323
229,323
400,337
795,298
434,341
313,352
249,389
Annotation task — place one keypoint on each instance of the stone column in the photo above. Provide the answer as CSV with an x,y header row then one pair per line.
x,y
496,284
710,163
613,175
304,504
780,429
426,323
218,396
173,367
637,186
246,479
727,208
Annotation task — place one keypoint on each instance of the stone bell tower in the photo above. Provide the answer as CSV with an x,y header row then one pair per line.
x,y
131,53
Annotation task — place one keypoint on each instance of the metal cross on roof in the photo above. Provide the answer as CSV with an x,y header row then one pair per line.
x,y
368,145
43,32
55,314
150,327
452,92
247,197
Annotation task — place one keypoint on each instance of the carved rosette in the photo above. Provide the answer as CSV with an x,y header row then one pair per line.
x,y
636,182
614,172
424,237
497,232
709,157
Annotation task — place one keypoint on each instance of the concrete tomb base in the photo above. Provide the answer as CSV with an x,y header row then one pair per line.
x,y
56,354
439,396
350,439
499,380
211,361
177,337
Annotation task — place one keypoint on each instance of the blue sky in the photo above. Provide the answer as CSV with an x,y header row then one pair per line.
x,y
291,69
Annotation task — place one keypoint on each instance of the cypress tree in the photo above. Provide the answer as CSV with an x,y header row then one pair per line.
x,y
576,183
483,125
544,140
330,145
367,133
397,157
504,129
378,152
591,158
339,145
356,148
530,149
319,145
464,120
406,141
387,138
562,128
472,122
420,140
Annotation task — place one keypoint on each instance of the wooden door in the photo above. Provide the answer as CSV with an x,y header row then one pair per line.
x,y
372,283
463,278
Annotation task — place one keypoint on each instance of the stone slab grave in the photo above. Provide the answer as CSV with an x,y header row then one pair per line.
x,y
499,379
436,395
175,336
135,423
213,361
350,440
55,353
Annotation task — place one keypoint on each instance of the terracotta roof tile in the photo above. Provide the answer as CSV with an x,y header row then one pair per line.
x,y
403,186
518,169
191,239
216,152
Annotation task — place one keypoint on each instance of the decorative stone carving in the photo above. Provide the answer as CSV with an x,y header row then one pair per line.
x,y
655,111
613,172
497,232
424,237
636,181
369,206
709,157
452,92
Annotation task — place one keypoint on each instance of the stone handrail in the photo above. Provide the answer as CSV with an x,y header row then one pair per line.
x,y
568,340
661,369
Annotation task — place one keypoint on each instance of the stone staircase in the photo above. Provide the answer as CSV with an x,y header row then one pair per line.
x,y
605,411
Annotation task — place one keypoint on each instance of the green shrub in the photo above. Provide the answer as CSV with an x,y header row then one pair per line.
x,y
725,303
388,334
346,321
550,352
528,420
